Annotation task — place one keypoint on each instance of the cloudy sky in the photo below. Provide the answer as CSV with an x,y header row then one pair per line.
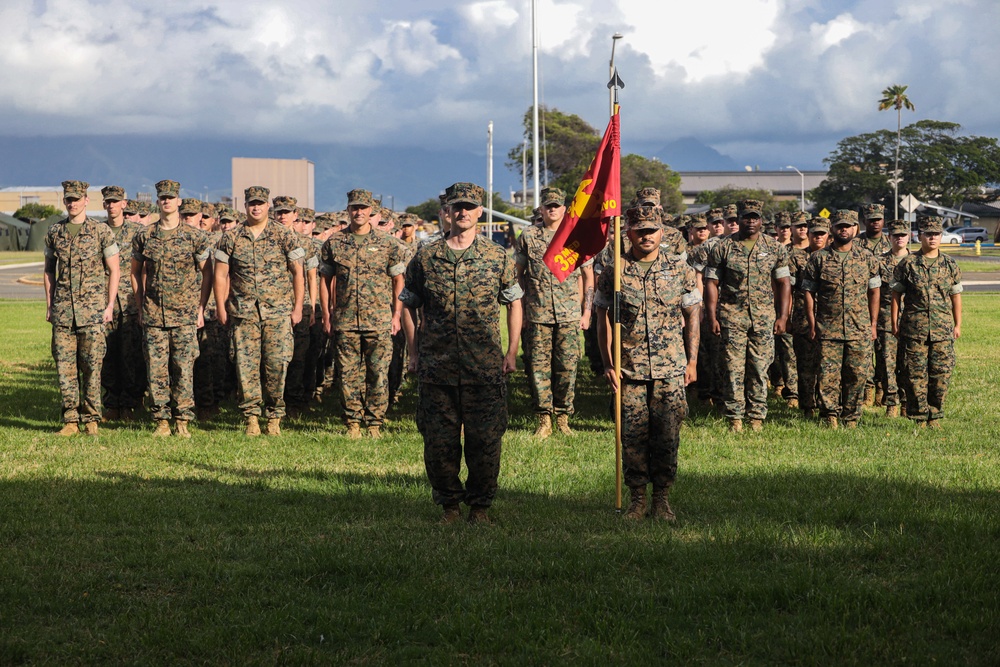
x,y
768,82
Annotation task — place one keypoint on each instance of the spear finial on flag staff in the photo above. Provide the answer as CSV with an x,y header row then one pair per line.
x,y
616,84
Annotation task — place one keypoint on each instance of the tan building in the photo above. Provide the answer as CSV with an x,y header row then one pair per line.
x,y
293,178
14,198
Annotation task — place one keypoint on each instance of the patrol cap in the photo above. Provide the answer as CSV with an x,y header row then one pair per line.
x,y
258,194
189,206
748,207
799,218
698,221
131,207
643,217
819,225
407,220
782,220
874,212
930,223
75,189
209,210
844,216
386,213
716,215
226,213
443,199
899,228
647,196
168,189
730,212
465,193
113,193
307,214
536,214
552,196
143,208
358,197
677,222
284,204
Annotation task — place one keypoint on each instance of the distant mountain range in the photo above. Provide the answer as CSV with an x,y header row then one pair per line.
x,y
403,176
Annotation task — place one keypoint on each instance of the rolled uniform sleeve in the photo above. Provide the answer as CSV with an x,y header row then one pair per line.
x,y
225,248
781,269
511,290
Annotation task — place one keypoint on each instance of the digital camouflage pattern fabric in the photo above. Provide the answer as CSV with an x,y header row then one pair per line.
x,y
172,259
260,283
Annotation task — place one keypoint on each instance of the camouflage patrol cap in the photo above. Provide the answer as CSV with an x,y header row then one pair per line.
x,y
643,217
819,225
443,199
386,213
75,189
226,213
716,215
536,214
143,208
800,218
698,221
930,223
131,207
257,193
190,206
358,197
307,215
769,227
782,220
407,219
843,215
209,210
552,196
113,193
465,193
167,188
730,211
284,204
899,228
377,203
647,196
324,221
748,207
677,222
874,212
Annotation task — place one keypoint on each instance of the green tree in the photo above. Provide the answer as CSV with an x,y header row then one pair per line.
x,y
731,194
427,210
35,211
894,97
938,163
640,172
569,140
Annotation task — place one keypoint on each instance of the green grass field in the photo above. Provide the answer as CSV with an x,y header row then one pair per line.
x,y
794,546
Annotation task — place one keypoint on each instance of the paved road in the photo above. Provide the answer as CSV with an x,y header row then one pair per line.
x,y
11,289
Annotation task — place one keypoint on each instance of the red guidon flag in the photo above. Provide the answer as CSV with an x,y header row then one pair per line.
x,y
583,232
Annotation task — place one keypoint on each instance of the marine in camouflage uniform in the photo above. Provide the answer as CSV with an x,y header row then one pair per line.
x,y
784,373
173,279
317,337
397,364
460,284
711,366
80,300
124,372
212,367
877,243
746,285
806,348
842,290
363,270
660,324
555,312
254,263
929,285
886,345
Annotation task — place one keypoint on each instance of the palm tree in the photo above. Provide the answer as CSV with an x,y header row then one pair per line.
x,y
894,97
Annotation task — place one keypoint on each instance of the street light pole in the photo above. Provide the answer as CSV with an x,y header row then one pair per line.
x,y
611,72
802,178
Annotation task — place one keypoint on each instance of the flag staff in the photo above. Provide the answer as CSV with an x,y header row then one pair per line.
x,y
614,85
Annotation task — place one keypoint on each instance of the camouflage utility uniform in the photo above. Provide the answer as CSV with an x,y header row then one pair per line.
x,y
711,367
171,261
260,304
927,330
363,268
124,373
460,364
76,262
296,392
886,345
806,349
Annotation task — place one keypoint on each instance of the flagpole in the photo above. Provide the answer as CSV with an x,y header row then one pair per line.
x,y
614,85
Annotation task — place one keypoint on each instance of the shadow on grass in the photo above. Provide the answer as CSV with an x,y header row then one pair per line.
x,y
331,567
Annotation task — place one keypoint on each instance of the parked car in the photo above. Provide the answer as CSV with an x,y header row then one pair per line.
x,y
973,234
946,237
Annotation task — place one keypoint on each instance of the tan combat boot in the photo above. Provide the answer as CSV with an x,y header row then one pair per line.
x,y
756,425
162,429
68,429
354,430
544,429
892,411
181,429
736,425
793,403
562,423
90,428
375,432
879,396
869,397
637,508
273,426
853,423
661,506
478,516
831,423
934,423
452,513
253,427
